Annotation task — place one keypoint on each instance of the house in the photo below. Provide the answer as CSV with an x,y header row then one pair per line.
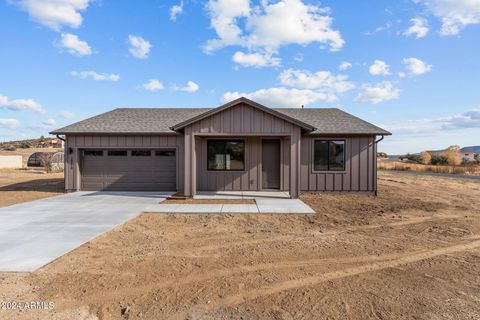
x,y
468,156
241,145
51,143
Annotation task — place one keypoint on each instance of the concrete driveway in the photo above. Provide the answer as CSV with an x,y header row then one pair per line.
x,y
34,233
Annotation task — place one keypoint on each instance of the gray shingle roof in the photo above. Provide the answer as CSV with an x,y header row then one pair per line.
x,y
159,120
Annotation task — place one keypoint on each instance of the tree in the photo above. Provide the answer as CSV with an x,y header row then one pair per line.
x,y
477,157
426,157
453,155
46,159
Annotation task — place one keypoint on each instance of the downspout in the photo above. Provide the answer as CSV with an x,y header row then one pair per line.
x,y
376,181
382,137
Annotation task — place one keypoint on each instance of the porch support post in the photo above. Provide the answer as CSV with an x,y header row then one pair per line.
x,y
189,165
295,163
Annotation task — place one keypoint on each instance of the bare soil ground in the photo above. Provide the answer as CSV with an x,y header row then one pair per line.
x,y
18,186
411,253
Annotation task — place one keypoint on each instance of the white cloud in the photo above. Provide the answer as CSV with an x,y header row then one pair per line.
x,y
48,124
257,60
67,115
455,14
175,11
416,66
380,92
190,87
344,65
139,47
74,45
467,120
20,104
402,74
95,76
378,68
153,85
9,123
298,57
385,27
419,28
269,26
322,81
282,97
55,13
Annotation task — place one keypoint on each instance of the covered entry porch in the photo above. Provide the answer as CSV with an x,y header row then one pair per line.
x,y
242,163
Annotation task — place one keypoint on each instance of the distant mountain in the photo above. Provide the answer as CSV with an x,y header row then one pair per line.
x,y
475,149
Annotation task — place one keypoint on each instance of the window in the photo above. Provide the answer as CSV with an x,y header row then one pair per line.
x,y
329,155
165,153
93,153
117,153
141,153
226,155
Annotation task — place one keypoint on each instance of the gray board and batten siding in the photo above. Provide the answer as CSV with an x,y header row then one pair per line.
x,y
186,133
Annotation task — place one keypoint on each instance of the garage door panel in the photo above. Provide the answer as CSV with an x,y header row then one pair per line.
x,y
129,173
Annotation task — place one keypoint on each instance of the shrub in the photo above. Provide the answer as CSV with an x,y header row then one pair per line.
x,y
438,160
426,157
453,155
414,157
24,145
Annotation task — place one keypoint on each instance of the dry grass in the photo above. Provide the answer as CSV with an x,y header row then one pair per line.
x,y
401,166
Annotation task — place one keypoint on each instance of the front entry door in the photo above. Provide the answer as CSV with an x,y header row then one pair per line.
x,y
270,164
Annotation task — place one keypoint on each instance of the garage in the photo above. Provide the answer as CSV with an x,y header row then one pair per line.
x,y
128,170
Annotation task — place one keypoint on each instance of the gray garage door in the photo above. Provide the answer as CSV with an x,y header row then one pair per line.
x,y
128,170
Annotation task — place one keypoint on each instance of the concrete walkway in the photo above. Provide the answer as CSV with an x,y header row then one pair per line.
x,y
34,233
265,202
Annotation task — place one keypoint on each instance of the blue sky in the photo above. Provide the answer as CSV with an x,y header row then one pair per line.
x,y
409,66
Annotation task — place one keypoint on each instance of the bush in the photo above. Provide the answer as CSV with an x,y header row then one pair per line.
x,y
9,148
438,160
24,145
414,158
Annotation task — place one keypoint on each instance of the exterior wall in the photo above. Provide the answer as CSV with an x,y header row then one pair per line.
x,y
78,142
10,162
360,168
251,124
248,180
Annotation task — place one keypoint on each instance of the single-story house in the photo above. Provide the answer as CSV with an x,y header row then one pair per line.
x,y
241,145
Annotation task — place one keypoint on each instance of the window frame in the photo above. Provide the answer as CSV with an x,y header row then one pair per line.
x,y
85,153
110,153
225,153
140,151
328,155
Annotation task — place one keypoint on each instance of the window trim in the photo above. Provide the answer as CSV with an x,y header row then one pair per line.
x,y
224,153
328,156
117,155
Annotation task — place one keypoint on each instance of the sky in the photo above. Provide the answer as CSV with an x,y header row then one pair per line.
x,y
409,66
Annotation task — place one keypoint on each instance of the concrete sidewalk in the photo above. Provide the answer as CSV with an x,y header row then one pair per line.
x,y
34,233
265,202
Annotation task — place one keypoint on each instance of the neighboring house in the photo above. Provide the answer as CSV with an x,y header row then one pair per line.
x,y
51,143
241,145
468,156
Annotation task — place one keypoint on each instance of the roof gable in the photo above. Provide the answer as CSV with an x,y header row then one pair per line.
x,y
251,103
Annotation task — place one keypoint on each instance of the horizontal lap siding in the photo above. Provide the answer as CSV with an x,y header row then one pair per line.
x,y
72,173
359,174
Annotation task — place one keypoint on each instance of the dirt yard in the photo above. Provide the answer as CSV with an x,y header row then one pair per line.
x,y
411,253
18,186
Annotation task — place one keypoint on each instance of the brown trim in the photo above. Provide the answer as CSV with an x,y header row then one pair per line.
x,y
251,103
